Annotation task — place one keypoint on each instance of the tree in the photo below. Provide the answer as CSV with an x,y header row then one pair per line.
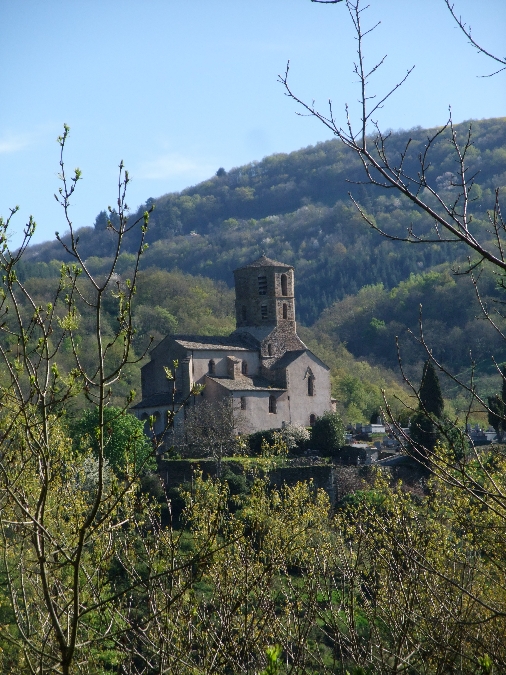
x,y
423,429
80,547
497,409
431,398
209,430
408,174
327,433
467,480
126,446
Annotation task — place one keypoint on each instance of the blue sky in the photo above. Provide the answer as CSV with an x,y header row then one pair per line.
x,y
179,88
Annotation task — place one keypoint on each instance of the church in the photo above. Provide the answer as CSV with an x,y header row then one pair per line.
x,y
263,367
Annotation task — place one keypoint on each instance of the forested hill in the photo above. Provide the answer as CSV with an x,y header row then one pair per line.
x,y
295,207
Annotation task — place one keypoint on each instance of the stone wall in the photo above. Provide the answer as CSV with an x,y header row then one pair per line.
x,y
175,472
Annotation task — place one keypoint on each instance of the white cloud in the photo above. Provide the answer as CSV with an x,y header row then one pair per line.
x,y
13,142
171,165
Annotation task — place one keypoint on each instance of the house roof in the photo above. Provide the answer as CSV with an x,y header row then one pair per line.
x,y
263,261
206,342
243,383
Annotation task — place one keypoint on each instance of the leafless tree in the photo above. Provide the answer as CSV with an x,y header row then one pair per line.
x,y
66,522
209,430
451,217
451,223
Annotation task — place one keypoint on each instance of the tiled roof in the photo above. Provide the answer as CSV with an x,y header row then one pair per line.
x,y
233,342
263,261
243,383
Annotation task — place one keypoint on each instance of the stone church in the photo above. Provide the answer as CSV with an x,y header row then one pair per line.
x,y
263,367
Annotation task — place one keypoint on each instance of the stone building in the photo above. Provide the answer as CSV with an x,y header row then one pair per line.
x,y
263,367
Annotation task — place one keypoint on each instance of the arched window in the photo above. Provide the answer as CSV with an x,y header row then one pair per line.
x,y
312,419
262,285
211,368
269,349
244,368
272,404
285,311
243,402
263,312
284,284
310,386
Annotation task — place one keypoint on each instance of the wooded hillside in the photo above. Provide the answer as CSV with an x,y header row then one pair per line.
x,y
296,208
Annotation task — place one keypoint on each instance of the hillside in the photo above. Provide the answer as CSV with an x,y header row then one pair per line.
x,y
296,208
358,290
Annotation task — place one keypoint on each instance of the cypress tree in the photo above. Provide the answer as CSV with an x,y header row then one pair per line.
x,y
431,398
497,409
423,431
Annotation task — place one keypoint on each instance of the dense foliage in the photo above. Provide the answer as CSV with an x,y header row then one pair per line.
x,y
327,433
126,446
386,584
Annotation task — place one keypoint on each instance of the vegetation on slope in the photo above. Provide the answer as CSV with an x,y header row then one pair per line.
x,y
296,208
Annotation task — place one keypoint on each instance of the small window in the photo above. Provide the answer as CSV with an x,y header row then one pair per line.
x,y
262,285
244,313
310,386
263,312
285,311
244,368
269,349
284,284
312,420
211,368
272,404
243,403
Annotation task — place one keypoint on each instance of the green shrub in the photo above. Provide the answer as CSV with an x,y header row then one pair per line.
x,y
327,434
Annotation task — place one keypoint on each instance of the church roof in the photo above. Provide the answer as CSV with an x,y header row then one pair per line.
x,y
206,342
263,261
287,358
290,357
244,383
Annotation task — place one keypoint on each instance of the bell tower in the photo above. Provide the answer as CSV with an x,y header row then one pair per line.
x,y
265,305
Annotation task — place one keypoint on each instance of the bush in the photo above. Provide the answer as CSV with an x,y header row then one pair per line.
x,y
124,440
296,437
256,440
327,434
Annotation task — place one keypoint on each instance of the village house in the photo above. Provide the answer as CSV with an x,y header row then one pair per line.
x,y
263,367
